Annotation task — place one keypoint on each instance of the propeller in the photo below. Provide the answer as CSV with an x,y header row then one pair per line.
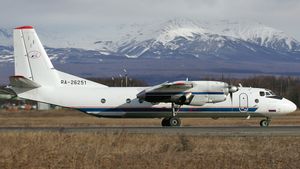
x,y
231,90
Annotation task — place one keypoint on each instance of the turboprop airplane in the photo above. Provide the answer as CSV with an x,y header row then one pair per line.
x,y
36,79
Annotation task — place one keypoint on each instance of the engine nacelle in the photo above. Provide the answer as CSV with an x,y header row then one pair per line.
x,y
202,92
200,100
182,99
211,92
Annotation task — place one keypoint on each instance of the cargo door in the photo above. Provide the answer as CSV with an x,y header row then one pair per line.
x,y
243,106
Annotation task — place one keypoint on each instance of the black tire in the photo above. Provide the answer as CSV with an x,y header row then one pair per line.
x,y
174,121
264,123
165,122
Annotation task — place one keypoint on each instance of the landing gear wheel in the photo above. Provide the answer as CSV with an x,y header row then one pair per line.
x,y
174,121
264,123
165,122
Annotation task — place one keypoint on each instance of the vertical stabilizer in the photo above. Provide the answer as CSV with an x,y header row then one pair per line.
x,y
33,63
22,67
31,59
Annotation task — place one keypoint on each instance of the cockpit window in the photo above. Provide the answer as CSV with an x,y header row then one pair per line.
x,y
272,93
261,93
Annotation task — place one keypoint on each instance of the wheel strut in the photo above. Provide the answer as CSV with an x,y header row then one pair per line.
x,y
175,109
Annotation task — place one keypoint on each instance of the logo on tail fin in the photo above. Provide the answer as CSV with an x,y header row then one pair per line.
x,y
34,54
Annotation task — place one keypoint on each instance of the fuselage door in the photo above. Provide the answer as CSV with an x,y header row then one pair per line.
x,y
243,106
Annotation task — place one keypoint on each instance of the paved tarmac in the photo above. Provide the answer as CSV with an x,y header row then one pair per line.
x,y
200,131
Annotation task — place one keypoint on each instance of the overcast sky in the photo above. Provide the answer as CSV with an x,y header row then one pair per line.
x,y
83,15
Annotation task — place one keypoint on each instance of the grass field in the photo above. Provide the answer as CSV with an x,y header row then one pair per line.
x,y
121,150
55,150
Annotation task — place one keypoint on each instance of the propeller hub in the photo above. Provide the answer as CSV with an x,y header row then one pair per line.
x,y
233,89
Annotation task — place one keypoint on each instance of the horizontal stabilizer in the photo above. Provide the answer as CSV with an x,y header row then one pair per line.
x,y
7,93
22,82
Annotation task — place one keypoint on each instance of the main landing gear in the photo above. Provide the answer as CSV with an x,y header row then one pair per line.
x,y
172,121
265,122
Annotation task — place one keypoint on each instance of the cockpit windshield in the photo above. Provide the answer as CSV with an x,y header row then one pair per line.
x,y
272,93
269,94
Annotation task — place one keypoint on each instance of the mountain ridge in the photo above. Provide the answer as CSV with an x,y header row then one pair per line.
x,y
176,38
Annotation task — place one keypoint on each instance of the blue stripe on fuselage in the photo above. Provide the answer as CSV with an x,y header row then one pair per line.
x,y
212,109
194,93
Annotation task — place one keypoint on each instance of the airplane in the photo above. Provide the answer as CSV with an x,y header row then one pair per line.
x,y
36,79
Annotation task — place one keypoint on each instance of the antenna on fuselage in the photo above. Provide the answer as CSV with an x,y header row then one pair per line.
x,y
248,117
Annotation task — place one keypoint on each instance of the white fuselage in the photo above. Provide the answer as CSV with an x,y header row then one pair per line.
x,y
123,102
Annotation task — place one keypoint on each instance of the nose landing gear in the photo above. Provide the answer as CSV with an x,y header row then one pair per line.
x,y
265,122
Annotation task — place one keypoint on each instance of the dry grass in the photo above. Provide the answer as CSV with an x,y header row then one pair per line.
x,y
55,150
75,118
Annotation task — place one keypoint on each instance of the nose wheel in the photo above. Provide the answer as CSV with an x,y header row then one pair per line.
x,y
265,122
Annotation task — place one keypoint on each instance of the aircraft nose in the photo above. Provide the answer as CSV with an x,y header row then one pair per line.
x,y
289,106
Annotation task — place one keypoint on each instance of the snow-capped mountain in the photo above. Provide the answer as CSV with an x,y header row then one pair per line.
x,y
173,49
177,38
6,38
181,38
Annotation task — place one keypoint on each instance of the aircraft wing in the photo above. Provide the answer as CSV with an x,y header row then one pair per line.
x,y
167,92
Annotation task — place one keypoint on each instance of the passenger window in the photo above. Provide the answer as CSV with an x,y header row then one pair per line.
x,y
262,93
268,94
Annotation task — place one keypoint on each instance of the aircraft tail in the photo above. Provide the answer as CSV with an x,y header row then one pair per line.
x,y
31,59
33,63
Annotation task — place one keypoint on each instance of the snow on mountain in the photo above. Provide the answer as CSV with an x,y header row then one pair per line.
x,y
176,38
207,38
6,40
5,37
259,34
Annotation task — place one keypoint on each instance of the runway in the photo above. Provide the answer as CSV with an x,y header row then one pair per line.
x,y
197,131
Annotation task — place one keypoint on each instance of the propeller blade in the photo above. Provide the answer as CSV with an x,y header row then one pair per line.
x,y
231,95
